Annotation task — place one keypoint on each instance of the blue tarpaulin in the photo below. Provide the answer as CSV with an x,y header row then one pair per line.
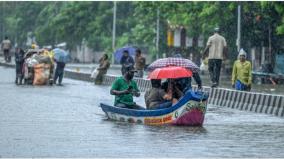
x,y
119,52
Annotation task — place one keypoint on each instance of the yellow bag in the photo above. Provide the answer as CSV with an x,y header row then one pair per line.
x,y
49,54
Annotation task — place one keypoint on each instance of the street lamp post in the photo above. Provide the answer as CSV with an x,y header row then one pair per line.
x,y
239,28
3,16
158,34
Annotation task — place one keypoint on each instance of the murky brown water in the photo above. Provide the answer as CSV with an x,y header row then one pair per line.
x,y
67,122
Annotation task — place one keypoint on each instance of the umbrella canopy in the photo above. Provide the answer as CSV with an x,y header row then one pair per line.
x,y
170,72
119,52
172,61
61,55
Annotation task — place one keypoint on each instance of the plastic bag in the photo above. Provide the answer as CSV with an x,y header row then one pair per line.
x,y
31,62
94,73
203,67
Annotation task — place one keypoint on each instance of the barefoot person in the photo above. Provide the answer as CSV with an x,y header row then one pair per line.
x,y
241,74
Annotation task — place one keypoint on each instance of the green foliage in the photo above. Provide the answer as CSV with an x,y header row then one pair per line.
x,y
72,21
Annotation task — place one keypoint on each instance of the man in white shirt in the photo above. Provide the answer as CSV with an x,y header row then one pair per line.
x,y
217,47
6,46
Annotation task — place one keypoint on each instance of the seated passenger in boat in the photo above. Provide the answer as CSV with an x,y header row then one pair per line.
x,y
156,97
172,87
184,84
124,88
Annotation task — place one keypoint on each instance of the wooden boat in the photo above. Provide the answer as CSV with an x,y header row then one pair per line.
x,y
189,111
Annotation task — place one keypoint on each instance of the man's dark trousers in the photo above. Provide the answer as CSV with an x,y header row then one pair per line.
x,y
214,68
59,72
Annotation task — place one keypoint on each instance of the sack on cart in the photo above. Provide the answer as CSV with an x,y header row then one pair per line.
x,y
41,74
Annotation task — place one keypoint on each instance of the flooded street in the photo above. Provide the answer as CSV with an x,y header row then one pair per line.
x,y
54,121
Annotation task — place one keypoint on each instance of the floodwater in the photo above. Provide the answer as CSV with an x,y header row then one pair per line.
x,y
55,121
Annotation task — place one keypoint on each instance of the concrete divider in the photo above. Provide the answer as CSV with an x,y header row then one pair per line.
x,y
78,75
143,84
247,101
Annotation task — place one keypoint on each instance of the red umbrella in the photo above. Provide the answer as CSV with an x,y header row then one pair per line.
x,y
170,72
173,61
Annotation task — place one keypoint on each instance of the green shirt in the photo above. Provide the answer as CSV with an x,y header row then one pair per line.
x,y
121,84
242,72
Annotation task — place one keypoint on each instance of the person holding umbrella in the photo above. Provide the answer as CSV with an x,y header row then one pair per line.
x,y
179,61
126,61
171,73
60,57
184,84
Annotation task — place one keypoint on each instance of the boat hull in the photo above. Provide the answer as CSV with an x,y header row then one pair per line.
x,y
189,111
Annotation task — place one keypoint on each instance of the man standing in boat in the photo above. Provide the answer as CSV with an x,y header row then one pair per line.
x,y
124,88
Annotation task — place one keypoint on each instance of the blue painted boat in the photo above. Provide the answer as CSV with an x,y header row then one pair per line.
x,y
189,110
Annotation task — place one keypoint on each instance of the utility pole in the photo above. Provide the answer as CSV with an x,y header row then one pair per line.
x,y
269,46
113,28
158,33
3,17
16,36
239,28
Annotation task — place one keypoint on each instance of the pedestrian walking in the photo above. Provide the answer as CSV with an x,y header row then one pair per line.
x,y
19,61
6,46
217,48
61,57
241,74
102,70
139,64
126,61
